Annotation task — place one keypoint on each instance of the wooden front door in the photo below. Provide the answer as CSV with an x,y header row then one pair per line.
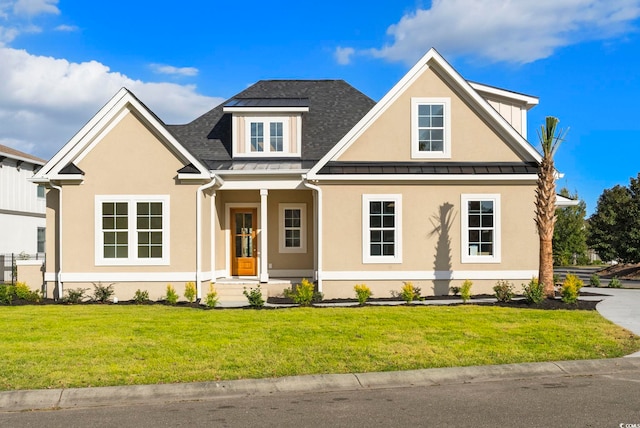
x,y
244,251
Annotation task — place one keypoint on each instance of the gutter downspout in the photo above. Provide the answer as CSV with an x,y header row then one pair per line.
x,y
59,272
318,237
214,180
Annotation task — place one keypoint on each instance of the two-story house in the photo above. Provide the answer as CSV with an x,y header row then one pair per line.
x,y
434,184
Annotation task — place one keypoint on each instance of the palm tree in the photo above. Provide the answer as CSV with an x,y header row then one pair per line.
x,y
550,139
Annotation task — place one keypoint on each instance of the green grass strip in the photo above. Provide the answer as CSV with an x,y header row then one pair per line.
x,y
95,345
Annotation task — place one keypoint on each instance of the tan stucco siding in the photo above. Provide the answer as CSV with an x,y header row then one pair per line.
x,y
389,137
422,207
129,160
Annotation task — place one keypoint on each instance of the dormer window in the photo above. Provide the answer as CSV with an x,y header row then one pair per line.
x,y
267,135
430,128
267,127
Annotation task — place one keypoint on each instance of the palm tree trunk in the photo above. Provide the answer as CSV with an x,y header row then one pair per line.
x,y
546,219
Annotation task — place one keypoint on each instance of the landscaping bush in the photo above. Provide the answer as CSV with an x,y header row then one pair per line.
x,y
75,295
534,291
594,280
362,293
141,296
571,288
615,283
6,294
211,299
254,296
190,291
22,291
465,290
503,291
409,292
102,293
172,296
303,293
455,290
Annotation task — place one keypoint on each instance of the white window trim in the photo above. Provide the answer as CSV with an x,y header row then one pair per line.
x,y
497,227
366,239
267,120
417,154
303,228
133,259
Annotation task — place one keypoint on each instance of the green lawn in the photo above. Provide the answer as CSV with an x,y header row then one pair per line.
x,y
96,345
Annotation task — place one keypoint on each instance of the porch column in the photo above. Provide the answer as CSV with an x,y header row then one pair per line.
x,y
264,254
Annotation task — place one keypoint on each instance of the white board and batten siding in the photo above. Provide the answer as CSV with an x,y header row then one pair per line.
x,y
22,207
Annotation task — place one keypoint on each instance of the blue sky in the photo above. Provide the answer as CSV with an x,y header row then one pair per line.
x,y
60,61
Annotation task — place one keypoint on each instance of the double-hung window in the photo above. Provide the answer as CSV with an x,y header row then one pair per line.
x,y
381,228
267,135
293,228
132,230
430,128
480,228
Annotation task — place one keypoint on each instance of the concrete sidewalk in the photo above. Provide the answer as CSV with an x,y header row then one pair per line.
x,y
14,401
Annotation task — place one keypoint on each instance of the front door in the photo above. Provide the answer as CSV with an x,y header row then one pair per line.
x,y
244,251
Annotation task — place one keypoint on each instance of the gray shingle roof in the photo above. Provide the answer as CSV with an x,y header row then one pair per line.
x,y
334,108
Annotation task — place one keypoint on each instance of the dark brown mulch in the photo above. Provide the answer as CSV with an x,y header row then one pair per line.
x,y
622,271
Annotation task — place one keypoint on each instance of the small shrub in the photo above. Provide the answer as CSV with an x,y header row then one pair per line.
x,y
594,280
211,299
102,293
534,291
190,292
254,296
455,290
409,292
6,294
556,279
22,291
615,283
75,295
141,296
172,296
503,290
362,293
571,288
303,293
465,290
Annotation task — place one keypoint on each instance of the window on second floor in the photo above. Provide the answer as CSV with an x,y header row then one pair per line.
x,y
267,135
430,128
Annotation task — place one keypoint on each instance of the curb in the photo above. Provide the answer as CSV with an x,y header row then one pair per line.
x,y
14,401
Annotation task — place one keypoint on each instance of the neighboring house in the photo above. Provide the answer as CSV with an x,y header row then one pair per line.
x,y
433,184
22,204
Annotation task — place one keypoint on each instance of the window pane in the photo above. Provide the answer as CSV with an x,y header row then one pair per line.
x,y
143,208
474,236
375,207
108,208
109,252
376,236
143,223
376,249
487,206
143,238
486,236
122,252
389,235
388,250
122,238
156,252
474,206
375,221
487,221
143,252
108,223
388,221
437,109
156,238
486,249
474,220
109,237
121,208
257,136
122,223
389,207
437,122
155,208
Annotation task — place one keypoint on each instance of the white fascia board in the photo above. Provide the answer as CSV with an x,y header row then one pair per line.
x,y
424,177
20,158
265,109
562,201
528,100
255,184
254,172
193,177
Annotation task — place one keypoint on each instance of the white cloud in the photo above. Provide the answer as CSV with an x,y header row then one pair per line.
x,y
343,55
175,71
517,31
67,28
46,100
35,7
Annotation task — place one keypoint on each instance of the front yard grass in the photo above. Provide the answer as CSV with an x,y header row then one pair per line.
x,y
98,345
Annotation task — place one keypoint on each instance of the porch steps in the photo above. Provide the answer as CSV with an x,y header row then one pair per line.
x,y
230,290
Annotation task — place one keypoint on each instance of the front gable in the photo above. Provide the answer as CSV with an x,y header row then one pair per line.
x,y
126,123
432,116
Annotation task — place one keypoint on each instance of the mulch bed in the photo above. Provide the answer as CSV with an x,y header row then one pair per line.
x,y
550,304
